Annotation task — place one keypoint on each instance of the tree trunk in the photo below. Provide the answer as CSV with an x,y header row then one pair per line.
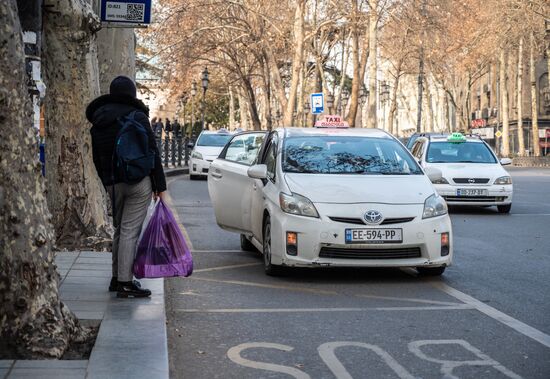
x,y
34,323
277,81
505,150
394,91
243,110
115,54
75,195
357,80
296,61
373,26
534,102
252,108
521,141
231,109
429,107
343,69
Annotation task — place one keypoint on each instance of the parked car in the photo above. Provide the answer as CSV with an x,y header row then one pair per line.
x,y
412,139
331,197
471,172
208,146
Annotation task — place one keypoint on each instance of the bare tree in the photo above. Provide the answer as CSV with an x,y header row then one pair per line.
x,y
519,92
504,104
534,102
34,322
373,66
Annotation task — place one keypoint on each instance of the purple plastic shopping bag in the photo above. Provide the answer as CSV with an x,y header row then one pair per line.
x,y
162,251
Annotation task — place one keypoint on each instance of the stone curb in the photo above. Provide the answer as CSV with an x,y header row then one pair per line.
x,y
176,171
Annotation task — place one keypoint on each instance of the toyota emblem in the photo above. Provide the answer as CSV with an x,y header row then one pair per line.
x,y
471,181
373,217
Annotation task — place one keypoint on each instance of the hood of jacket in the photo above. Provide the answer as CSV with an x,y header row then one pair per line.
x,y
103,111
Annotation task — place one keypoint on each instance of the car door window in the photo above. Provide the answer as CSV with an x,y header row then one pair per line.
x,y
271,158
243,148
417,150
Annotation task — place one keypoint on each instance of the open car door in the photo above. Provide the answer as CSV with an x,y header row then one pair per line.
x,y
229,186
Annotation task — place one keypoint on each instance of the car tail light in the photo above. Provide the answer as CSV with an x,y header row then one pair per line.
x,y
292,243
445,244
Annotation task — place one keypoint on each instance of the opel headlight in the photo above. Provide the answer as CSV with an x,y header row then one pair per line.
x,y
297,205
504,180
440,181
196,155
434,206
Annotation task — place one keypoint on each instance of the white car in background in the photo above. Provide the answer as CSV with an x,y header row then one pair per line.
x,y
330,197
471,172
207,148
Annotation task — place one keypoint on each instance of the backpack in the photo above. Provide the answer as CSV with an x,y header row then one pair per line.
x,y
133,158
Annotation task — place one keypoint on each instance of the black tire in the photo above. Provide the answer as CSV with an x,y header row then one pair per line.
x,y
194,177
269,268
504,208
431,271
246,245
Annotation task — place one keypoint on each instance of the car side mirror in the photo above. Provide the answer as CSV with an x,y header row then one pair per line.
x,y
505,161
258,171
434,174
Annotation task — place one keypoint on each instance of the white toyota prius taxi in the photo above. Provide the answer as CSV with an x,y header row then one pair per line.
x,y
208,147
471,172
331,197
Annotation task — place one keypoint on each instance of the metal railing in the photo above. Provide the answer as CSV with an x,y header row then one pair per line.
x,y
174,149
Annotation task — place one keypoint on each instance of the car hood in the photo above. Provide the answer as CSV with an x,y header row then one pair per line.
x,y
350,189
209,152
470,170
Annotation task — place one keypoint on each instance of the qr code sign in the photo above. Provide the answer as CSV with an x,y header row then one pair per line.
x,y
135,12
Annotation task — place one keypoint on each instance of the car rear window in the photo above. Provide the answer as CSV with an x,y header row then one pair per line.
x,y
218,140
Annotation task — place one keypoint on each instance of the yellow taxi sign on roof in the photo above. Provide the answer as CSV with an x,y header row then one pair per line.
x,y
331,121
456,137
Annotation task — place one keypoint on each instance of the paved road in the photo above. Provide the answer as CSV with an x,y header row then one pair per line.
x,y
487,317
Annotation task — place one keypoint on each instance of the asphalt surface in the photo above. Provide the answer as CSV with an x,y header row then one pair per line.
x,y
488,316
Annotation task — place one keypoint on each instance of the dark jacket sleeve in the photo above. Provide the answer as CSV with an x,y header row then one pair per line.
x,y
157,174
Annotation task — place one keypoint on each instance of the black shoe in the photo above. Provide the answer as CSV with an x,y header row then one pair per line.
x,y
129,289
114,284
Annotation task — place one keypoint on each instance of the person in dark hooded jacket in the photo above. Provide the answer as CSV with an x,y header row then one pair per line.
x,y
130,201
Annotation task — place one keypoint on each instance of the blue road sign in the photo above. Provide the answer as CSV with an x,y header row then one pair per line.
x,y
129,12
317,103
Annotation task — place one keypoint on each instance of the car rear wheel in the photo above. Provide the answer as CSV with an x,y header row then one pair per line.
x,y
246,245
431,271
504,208
270,269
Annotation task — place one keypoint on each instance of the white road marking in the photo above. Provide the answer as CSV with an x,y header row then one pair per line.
x,y
411,299
328,355
448,366
227,267
261,285
495,314
529,214
235,355
306,310
217,251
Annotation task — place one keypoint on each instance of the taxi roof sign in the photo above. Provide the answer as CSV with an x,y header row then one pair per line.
x,y
331,121
456,137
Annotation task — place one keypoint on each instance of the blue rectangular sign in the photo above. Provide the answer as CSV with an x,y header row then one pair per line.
x,y
317,103
126,11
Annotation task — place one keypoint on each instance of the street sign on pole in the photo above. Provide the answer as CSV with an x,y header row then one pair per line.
x,y
317,103
127,13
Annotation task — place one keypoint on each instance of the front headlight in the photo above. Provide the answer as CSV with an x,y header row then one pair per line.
x,y
196,155
504,180
434,206
440,181
297,205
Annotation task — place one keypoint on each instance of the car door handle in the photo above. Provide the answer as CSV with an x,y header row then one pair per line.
x,y
216,175
254,186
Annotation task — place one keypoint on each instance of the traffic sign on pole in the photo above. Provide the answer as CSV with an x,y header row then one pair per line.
x,y
317,103
129,13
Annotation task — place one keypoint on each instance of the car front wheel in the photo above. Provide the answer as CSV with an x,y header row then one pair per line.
x,y
246,245
270,269
504,208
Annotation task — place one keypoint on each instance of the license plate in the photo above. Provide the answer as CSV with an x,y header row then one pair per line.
x,y
374,235
471,192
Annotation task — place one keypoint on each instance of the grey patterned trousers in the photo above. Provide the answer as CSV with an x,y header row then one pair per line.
x,y
131,203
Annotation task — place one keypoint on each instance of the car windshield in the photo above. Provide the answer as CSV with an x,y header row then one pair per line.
x,y
347,155
218,140
462,152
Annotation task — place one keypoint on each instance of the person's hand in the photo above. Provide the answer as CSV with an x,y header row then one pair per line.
x,y
159,195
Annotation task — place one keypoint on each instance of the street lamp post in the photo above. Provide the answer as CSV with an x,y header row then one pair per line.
x,y
205,81
345,98
330,103
307,108
193,94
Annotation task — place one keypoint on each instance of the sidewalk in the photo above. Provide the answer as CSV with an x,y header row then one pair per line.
x,y
132,339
